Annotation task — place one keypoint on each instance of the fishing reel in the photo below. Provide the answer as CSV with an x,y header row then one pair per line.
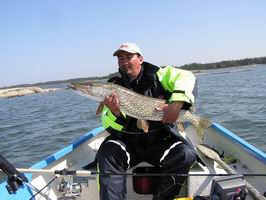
x,y
14,178
14,182
69,189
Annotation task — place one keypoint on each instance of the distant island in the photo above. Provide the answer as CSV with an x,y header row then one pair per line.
x,y
22,91
224,64
193,67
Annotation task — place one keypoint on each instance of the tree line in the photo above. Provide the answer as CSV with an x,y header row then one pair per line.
x,y
215,65
192,66
224,64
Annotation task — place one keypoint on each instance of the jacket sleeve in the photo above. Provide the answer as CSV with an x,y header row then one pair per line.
x,y
180,83
109,120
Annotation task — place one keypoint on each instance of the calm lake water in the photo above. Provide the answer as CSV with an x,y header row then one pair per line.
x,y
34,126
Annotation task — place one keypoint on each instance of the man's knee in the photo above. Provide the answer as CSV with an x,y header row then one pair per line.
x,y
112,155
182,157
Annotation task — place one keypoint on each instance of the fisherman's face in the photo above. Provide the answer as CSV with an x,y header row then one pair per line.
x,y
129,63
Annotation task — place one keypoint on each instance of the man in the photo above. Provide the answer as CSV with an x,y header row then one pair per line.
x,y
161,146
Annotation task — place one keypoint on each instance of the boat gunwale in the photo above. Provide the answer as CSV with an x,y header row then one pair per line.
x,y
247,147
25,192
66,150
244,145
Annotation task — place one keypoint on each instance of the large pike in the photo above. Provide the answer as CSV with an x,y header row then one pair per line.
x,y
134,104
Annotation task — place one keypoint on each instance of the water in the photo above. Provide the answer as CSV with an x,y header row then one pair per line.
x,y
237,101
34,126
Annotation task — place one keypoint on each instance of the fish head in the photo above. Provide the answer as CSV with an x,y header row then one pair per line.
x,y
91,89
85,87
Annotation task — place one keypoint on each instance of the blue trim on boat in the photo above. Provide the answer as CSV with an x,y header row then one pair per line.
x,y
59,154
25,192
242,143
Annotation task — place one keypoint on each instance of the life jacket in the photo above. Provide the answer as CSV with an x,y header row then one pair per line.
x,y
148,84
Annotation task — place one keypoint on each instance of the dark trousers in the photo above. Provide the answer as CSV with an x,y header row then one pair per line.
x,y
119,153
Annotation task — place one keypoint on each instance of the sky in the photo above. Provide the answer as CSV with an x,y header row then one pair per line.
x,y
47,40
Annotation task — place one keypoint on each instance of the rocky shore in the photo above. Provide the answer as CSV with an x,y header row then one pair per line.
x,y
22,91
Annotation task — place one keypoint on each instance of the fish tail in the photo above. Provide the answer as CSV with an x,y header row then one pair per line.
x,y
200,123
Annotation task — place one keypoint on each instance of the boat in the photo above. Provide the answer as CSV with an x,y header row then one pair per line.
x,y
230,167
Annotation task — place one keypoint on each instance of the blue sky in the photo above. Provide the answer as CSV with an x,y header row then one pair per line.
x,y
61,39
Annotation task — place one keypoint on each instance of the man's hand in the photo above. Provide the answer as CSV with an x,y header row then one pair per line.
x,y
112,102
171,111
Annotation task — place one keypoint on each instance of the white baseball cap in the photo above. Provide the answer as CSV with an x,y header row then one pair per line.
x,y
128,47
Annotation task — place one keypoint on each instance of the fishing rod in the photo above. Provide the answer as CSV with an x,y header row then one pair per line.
x,y
38,191
85,173
9,169
92,173
77,190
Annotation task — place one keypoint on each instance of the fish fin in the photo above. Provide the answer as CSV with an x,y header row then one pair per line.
x,y
192,109
100,108
161,107
200,123
181,129
143,124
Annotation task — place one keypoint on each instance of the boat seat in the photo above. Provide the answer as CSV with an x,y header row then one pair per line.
x,y
195,185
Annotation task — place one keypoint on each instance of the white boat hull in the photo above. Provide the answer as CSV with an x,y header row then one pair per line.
x,y
82,152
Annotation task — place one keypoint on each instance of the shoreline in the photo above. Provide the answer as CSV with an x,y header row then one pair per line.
x,y
36,87
22,91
